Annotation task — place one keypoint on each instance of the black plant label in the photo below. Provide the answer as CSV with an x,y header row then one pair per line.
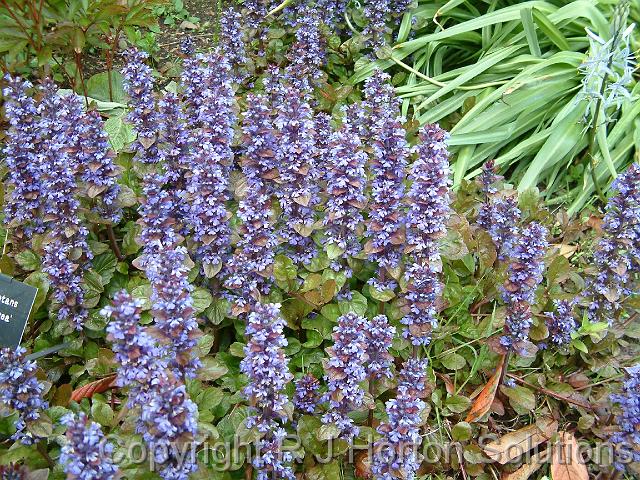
x,y
16,302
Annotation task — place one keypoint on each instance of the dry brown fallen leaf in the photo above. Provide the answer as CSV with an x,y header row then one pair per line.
x,y
99,386
483,401
513,444
566,463
528,469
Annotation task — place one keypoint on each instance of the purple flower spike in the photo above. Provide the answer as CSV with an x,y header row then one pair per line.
x,y
307,54
385,227
96,167
21,391
25,201
232,40
345,370
169,423
137,353
617,255
561,323
139,83
66,252
298,193
172,308
267,367
306,398
380,104
86,454
628,420
379,336
346,181
211,115
427,218
396,453
524,276
377,13
500,217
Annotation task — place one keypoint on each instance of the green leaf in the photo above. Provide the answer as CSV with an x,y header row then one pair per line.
x,y
28,260
521,399
462,432
218,310
457,403
453,361
98,87
105,265
202,298
530,31
357,304
102,413
120,133
550,30
333,251
212,369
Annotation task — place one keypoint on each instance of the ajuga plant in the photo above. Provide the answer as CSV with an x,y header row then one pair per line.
x,y
210,112
626,435
266,366
396,453
499,214
296,155
617,253
21,391
518,293
346,181
345,370
86,455
389,156
426,225
291,258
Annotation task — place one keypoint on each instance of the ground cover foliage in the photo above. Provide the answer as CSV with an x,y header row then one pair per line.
x,y
264,259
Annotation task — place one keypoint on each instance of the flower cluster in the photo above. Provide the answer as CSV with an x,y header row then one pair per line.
x,y
379,335
500,217
499,214
345,370
380,105
296,156
231,40
306,397
618,252
86,455
168,417
169,422
24,202
66,251
137,353
346,182
377,13
172,308
608,70
248,268
138,83
307,54
267,367
524,276
20,390
174,152
628,420
385,226
561,323
395,454
428,196
426,224
207,84
96,167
